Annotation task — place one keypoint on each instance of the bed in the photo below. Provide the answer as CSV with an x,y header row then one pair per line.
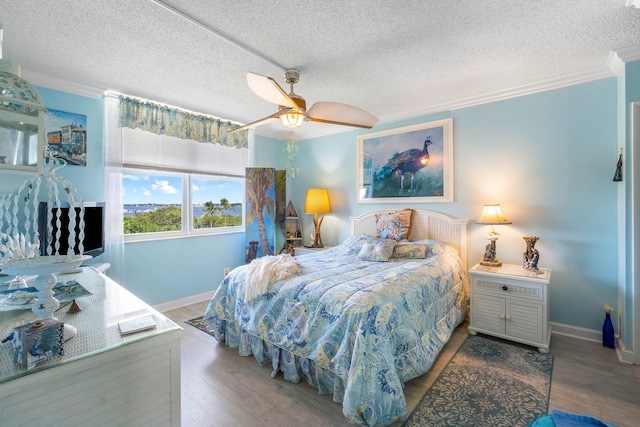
x,y
351,327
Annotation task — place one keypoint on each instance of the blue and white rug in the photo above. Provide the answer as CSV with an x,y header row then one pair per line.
x,y
489,382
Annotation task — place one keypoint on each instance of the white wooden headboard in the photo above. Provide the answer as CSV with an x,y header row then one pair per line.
x,y
425,225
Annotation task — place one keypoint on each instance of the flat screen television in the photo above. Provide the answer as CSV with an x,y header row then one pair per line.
x,y
93,242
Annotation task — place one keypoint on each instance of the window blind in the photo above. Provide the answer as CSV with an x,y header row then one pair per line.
x,y
145,149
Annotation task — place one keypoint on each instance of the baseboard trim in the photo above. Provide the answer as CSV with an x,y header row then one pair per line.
x,y
624,355
576,332
172,305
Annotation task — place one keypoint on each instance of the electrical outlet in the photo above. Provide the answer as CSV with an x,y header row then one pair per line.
x,y
226,271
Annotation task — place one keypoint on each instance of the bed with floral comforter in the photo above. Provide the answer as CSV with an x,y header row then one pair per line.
x,y
354,329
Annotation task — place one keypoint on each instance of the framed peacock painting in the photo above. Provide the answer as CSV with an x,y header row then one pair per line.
x,y
410,164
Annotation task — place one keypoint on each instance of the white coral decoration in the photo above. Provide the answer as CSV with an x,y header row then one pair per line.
x,y
18,248
608,308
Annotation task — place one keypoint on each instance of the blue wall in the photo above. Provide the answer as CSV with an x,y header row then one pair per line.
x,y
547,158
167,270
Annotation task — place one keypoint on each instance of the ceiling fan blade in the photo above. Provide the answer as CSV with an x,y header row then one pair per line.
x,y
264,120
269,90
341,114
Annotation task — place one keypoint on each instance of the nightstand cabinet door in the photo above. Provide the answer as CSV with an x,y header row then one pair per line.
x,y
511,303
488,313
524,321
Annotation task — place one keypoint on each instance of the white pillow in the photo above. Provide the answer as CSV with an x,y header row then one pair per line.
x,y
379,251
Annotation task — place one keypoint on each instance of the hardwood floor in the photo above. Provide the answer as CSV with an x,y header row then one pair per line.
x,y
221,388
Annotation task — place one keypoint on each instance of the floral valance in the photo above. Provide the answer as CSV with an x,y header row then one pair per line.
x,y
163,120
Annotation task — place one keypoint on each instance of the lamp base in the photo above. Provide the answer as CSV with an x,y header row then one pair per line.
x,y
317,240
492,263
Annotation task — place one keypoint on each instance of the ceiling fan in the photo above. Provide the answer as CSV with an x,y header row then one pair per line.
x,y
292,108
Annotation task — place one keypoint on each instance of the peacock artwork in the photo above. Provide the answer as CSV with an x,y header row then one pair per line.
x,y
413,163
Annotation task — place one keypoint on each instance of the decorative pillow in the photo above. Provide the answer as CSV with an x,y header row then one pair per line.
x,y
379,251
411,250
394,225
352,245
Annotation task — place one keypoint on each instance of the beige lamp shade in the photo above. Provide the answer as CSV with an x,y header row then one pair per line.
x,y
492,215
317,201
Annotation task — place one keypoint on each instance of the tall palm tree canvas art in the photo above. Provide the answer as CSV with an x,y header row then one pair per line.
x,y
263,187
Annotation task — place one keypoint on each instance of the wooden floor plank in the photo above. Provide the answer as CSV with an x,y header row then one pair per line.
x,y
221,388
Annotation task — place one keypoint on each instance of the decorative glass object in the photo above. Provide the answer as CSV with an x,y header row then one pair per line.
x,y
531,254
22,219
21,119
291,148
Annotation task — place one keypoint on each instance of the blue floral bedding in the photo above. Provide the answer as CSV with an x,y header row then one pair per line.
x,y
355,329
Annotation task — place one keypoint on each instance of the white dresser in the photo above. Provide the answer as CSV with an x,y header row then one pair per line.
x,y
511,303
103,378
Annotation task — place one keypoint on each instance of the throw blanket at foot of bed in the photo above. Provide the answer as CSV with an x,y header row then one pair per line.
x,y
355,329
268,269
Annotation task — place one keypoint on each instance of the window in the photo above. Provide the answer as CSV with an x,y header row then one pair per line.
x,y
163,204
152,203
216,202
167,192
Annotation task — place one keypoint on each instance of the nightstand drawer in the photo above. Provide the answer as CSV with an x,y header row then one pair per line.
x,y
508,287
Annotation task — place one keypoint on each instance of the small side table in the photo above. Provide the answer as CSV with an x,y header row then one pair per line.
x,y
511,303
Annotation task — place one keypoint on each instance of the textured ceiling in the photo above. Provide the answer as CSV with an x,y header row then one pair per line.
x,y
395,59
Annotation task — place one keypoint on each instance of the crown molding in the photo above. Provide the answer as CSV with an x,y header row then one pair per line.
x,y
617,58
628,54
39,79
620,56
614,63
509,93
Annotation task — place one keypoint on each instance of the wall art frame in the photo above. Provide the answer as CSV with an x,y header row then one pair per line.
x,y
66,136
409,164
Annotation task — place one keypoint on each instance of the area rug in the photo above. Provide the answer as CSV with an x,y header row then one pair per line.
x,y
197,322
488,382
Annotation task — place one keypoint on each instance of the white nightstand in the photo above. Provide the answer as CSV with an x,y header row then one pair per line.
x,y
302,250
511,303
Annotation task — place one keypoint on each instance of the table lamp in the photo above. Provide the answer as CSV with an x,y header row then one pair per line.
x,y
492,215
317,203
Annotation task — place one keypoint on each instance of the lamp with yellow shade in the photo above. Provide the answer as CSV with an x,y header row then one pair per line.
x,y
317,203
492,215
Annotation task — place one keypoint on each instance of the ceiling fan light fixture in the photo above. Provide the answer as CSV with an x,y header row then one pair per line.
x,y
292,108
292,119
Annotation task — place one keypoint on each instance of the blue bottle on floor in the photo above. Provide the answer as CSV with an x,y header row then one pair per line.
x,y
607,332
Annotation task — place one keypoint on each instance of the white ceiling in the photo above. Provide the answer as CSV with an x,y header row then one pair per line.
x,y
396,59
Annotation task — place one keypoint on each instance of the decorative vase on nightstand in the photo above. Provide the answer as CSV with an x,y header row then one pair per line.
x,y
531,255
